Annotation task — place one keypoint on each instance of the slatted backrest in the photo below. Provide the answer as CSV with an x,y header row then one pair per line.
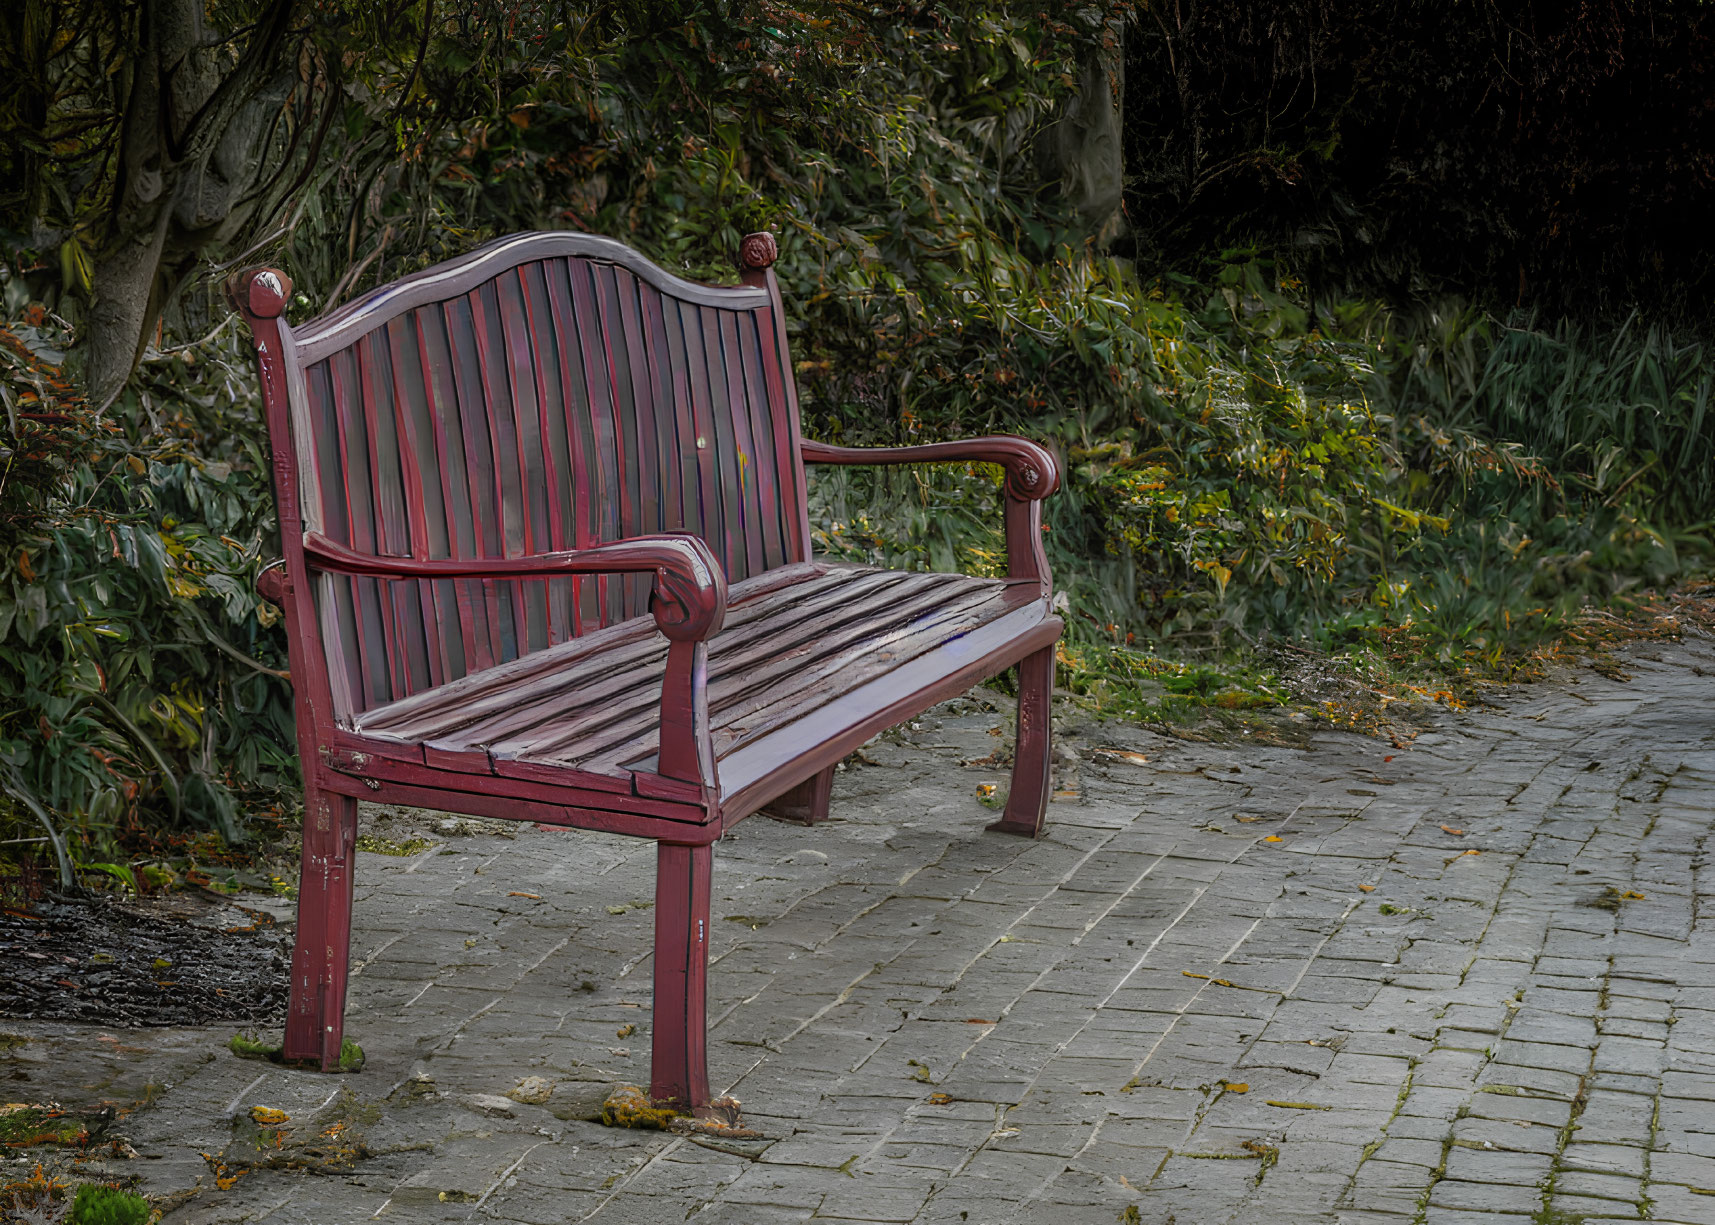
x,y
548,392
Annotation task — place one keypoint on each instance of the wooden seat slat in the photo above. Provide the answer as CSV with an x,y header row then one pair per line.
x,y
599,687
761,697
616,688
605,690
740,670
600,721
486,694
595,710
547,557
851,717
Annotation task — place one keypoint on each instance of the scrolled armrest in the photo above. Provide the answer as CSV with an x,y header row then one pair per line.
x,y
1031,475
690,591
1031,471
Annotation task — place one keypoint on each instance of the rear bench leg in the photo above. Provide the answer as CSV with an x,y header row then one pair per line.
x,y
315,1021
679,1064
807,803
1028,799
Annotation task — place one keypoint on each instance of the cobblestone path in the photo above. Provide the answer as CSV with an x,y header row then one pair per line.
x,y
1468,983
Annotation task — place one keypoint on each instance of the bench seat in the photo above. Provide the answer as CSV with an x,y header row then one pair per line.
x,y
812,654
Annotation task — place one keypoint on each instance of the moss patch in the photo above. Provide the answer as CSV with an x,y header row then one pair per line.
x,y
245,1047
388,846
23,1126
108,1206
629,1106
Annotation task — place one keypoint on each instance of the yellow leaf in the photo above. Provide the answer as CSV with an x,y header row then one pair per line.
x,y
1633,895
1235,1087
269,1116
1299,1106
1367,888
1272,838
1450,830
940,1099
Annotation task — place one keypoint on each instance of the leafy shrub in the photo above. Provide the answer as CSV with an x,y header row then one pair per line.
x,y
143,684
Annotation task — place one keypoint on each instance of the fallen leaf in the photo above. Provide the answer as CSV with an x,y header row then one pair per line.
x,y
1125,755
1450,830
535,896
1633,895
1473,851
268,1116
977,1021
1219,982
940,1099
1298,1106
1065,795
1235,1087
1367,888
1272,838
625,1031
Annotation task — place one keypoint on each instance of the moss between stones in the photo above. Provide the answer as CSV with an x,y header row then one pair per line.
x,y
96,1205
350,1054
28,1126
629,1106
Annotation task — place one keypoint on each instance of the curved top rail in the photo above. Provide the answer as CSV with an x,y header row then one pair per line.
x,y
319,337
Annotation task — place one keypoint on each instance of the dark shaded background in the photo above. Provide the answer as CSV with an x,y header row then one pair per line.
x,y
1547,155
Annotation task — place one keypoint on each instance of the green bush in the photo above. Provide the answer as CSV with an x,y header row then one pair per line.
x,y
144,686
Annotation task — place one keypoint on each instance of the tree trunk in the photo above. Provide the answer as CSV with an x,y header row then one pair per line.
x,y
1083,148
190,158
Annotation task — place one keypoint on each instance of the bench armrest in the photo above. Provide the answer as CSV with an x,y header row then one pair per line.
x,y
690,593
1032,473
688,602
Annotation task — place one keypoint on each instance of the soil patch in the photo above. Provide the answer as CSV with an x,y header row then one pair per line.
x,y
75,959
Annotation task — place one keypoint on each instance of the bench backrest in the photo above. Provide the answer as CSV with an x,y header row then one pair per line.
x,y
546,392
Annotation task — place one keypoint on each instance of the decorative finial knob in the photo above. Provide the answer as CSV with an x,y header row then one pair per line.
x,y
262,292
757,250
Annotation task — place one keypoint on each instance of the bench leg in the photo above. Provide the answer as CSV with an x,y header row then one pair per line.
x,y
315,1020
1028,798
807,803
679,1065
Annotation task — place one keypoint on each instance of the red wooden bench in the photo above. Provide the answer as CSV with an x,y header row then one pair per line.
x,y
547,558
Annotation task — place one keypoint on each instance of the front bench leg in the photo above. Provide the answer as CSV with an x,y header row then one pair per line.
x,y
1027,800
679,1063
315,1019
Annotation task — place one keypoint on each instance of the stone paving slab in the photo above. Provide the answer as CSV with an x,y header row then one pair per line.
x,y
1470,982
